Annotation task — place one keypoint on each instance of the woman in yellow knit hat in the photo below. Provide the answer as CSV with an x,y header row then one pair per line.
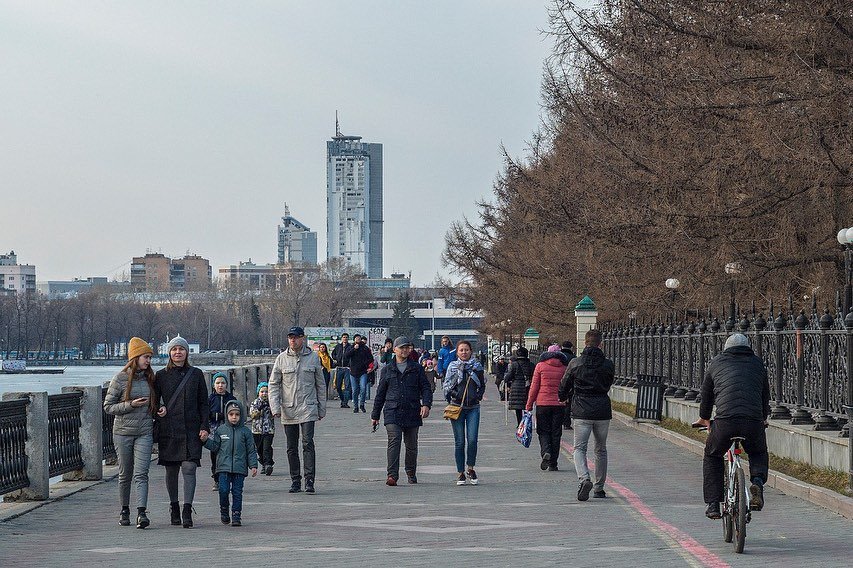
x,y
131,399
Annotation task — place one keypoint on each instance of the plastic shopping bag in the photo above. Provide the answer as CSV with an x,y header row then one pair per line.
x,y
524,434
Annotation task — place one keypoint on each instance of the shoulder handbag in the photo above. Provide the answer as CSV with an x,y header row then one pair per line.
x,y
453,411
171,403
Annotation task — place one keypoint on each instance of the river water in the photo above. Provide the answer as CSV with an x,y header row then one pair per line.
x,y
73,376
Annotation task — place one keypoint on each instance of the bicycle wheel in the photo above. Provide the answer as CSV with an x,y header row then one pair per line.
x,y
739,512
727,517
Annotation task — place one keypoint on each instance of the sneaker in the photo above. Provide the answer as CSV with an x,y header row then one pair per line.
x,y
713,511
584,487
355,410
235,519
124,517
295,487
599,494
391,482
546,459
215,486
472,476
412,478
309,486
553,468
223,516
756,496
461,480
142,519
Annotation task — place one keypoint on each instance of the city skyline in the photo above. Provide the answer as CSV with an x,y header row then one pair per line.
x,y
200,136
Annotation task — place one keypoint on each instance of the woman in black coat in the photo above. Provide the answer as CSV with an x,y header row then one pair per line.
x,y
179,430
518,378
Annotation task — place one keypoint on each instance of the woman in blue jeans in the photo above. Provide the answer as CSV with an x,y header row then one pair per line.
x,y
461,373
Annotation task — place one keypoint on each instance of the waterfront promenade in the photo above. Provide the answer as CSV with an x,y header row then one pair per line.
x,y
518,514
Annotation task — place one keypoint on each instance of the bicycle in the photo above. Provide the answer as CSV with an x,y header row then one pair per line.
x,y
735,510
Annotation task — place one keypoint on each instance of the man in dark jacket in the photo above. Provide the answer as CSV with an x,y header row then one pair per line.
x,y
585,383
358,359
736,382
339,353
567,349
406,395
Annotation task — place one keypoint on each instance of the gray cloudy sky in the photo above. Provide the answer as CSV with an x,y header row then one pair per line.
x,y
181,126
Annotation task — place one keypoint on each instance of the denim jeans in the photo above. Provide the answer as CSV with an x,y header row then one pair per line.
x,y
231,483
396,437
292,432
134,459
598,429
342,380
465,431
359,389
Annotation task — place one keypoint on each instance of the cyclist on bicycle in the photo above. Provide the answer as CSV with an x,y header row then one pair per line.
x,y
736,382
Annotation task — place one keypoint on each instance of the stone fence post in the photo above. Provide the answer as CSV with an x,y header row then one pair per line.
x,y
586,315
37,448
91,435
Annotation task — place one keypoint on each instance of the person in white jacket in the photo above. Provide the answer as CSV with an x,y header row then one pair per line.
x,y
297,393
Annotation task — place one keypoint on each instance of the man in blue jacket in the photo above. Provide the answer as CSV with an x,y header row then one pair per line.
x,y
406,395
446,355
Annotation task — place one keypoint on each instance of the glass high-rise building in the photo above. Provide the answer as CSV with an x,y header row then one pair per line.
x,y
354,202
297,244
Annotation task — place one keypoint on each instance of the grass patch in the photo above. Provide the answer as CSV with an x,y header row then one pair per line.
x,y
827,478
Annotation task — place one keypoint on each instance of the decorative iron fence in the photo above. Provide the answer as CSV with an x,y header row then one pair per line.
x,y
13,439
107,422
808,359
63,416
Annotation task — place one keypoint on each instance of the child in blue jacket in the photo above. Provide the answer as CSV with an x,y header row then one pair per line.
x,y
235,456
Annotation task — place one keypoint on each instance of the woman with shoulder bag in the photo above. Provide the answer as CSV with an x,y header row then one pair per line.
x,y
181,391
464,385
131,399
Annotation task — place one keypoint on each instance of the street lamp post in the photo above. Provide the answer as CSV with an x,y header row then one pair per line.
x,y
432,305
672,285
845,239
733,269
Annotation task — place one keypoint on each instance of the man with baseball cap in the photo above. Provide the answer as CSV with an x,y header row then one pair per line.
x,y
297,394
404,387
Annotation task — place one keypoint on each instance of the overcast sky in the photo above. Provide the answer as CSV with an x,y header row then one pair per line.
x,y
186,126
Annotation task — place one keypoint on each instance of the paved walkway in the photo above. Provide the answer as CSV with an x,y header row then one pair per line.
x,y
518,514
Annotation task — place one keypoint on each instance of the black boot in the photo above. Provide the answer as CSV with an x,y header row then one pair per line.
x,y
175,513
223,515
141,518
235,519
187,515
124,517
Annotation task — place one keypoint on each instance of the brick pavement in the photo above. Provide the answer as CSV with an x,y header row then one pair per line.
x,y
518,514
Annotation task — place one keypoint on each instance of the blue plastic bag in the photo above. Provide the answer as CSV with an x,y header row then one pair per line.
x,y
524,434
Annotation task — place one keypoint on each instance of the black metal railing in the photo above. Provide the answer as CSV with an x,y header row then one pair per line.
x,y
63,417
806,358
107,422
13,439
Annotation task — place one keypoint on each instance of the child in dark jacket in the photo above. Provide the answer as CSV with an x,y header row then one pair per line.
x,y
216,417
263,428
236,455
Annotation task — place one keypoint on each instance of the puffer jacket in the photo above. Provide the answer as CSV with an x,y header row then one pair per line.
x,y
297,388
129,421
736,382
358,360
261,415
545,388
234,445
402,395
518,378
586,382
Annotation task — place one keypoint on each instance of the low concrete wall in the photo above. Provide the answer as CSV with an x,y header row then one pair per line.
x,y
801,443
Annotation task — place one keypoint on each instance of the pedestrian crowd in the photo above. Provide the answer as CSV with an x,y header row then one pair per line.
x,y
172,409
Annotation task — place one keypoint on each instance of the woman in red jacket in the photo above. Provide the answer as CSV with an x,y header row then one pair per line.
x,y
549,410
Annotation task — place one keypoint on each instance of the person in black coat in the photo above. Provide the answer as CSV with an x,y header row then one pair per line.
x,y
567,349
406,396
358,359
518,378
500,372
339,354
586,382
736,383
179,428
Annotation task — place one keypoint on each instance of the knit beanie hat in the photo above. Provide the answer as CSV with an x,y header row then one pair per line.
x,y
263,385
218,374
137,347
736,340
176,342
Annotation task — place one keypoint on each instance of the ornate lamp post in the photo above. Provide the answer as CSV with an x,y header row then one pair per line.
x,y
672,285
845,239
733,269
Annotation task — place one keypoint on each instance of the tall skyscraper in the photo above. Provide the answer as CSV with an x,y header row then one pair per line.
x,y
297,244
354,202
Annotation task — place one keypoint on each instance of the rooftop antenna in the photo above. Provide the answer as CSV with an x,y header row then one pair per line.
x,y
337,125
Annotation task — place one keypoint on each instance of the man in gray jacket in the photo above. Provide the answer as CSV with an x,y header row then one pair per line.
x,y
297,391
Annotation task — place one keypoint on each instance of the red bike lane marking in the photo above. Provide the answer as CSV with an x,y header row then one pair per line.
x,y
684,540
